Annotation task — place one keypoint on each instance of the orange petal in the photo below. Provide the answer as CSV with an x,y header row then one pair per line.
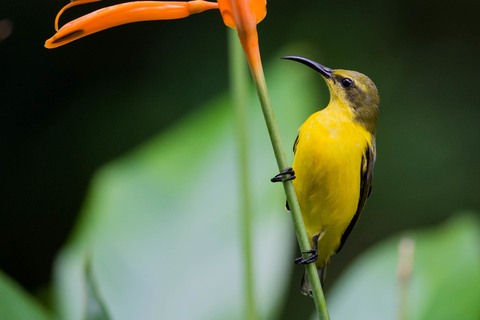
x,y
125,13
242,14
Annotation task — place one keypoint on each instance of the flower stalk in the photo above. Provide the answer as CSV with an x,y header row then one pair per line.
x,y
282,163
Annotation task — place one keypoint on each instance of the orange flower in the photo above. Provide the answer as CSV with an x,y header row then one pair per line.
x,y
122,14
243,15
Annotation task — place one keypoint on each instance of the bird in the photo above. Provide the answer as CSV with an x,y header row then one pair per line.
x,y
335,152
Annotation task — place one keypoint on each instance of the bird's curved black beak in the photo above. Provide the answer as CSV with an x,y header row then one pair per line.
x,y
324,71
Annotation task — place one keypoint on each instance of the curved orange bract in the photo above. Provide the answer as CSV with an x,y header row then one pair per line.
x,y
122,14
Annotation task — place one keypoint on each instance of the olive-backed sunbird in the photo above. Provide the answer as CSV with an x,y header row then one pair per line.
x,y
333,165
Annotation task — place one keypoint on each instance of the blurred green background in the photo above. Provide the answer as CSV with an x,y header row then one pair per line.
x,y
111,99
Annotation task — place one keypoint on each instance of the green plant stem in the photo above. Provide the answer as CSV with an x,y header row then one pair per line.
x,y
282,162
239,89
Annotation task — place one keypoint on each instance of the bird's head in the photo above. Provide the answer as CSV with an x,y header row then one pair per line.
x,y
350,89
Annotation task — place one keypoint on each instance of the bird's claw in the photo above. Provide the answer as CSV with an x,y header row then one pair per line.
x,y
308,260
280,177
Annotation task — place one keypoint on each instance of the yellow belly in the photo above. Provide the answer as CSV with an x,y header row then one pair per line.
x,y
327,166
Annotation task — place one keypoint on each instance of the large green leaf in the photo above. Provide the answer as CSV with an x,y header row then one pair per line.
x,y
17,304
161,224
445,281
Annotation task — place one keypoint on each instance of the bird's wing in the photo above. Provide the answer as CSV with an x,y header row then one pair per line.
x,y
366,173
295,145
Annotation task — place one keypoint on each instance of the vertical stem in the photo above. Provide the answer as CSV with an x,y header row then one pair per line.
x,y
239,88
252,52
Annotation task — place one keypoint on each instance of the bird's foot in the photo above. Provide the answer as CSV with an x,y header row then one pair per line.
x,y
280,177
313,251
308,260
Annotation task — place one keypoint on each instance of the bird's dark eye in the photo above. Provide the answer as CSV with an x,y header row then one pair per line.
x,y
347,83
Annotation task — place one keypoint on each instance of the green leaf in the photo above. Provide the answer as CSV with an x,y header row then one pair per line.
x,y
445,282
161,224
17,304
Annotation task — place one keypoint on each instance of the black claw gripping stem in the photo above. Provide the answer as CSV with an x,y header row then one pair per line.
x,y
280,177
313,251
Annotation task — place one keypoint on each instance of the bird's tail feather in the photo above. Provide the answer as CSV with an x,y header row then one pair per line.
x,y
305,286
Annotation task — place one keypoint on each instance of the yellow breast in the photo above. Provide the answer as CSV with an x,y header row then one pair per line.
x,y
327,166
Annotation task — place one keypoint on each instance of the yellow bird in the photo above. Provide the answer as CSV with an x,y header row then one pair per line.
x,y
333,165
